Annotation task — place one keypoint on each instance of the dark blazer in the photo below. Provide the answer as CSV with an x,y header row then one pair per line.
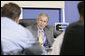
x,y
49,30
73,43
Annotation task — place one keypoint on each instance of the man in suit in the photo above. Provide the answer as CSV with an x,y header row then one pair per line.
x,y
73,43
48,32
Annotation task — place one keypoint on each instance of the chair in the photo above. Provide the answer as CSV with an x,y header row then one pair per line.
x,y
27,22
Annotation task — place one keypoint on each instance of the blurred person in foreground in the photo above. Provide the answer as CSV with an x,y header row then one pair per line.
x,y
73,43
15,39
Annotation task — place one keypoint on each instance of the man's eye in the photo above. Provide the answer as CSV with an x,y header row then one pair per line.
x,y
40,20
44,21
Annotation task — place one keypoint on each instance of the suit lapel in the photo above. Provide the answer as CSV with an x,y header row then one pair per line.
x,y
47,34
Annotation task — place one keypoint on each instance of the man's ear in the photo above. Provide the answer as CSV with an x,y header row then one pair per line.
x,y
17,20
46,24
80,17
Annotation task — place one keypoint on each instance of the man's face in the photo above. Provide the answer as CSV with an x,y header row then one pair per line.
x,y
42,22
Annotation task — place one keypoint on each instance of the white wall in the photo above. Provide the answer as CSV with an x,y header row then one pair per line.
x,y
42,4
37,4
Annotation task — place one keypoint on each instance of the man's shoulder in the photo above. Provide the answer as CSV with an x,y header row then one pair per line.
x,y
76,27
75,24
49,27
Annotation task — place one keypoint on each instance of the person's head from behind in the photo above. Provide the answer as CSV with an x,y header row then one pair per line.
x,y
42,20
81,10
11,11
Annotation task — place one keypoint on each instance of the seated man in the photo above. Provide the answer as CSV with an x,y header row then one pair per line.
x,y
43,33
15,39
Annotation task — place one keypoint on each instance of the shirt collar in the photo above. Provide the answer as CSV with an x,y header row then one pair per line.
x,y
39,29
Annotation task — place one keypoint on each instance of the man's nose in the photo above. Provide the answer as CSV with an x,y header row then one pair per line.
x,y
42,22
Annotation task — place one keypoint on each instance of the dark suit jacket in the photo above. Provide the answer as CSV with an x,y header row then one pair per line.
x,y
50,33
73,43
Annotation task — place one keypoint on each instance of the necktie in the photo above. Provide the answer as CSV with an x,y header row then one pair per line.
x,y
40,38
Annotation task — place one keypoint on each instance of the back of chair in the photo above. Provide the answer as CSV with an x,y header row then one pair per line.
x,y
27,22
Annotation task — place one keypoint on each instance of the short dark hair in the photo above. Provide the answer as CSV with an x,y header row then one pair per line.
x,y
11,11
81,8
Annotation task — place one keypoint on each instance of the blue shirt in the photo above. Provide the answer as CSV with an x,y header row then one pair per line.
x,y
14,37
45,41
